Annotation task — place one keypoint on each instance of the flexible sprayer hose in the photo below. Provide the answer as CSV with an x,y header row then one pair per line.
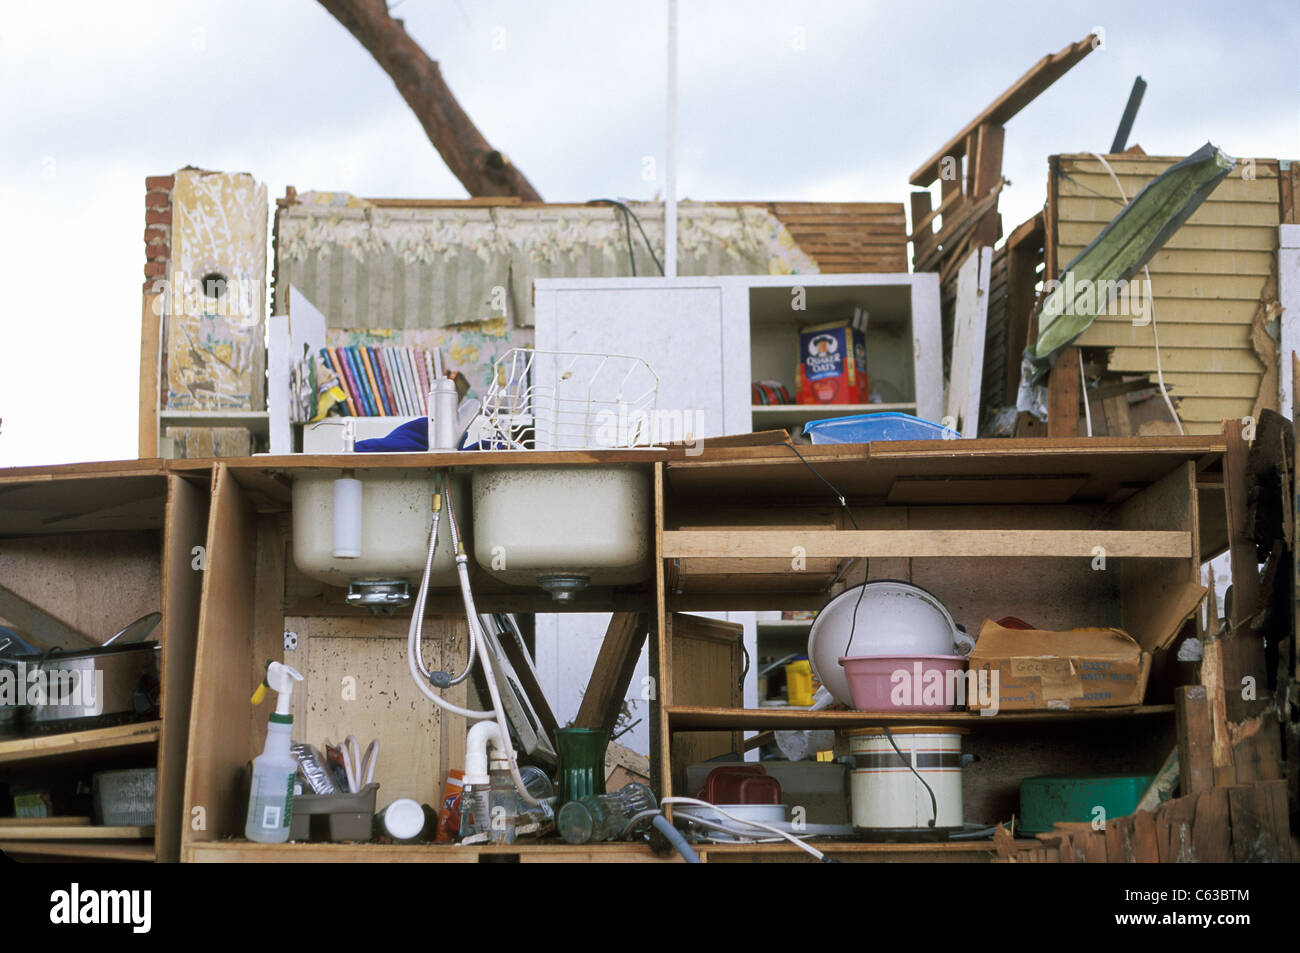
x,y
419,673
485,659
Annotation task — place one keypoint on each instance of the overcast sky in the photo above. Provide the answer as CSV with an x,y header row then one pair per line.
x,y
810,100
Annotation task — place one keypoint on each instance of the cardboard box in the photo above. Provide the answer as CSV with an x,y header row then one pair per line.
x,y
832,365
1081,668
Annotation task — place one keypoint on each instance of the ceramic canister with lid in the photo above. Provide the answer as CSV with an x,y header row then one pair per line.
x,y
887,795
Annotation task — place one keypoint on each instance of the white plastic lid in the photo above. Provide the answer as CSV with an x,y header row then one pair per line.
x,y
404,819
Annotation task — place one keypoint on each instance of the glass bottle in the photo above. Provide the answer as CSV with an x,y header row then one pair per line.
x,y
602,817
503,804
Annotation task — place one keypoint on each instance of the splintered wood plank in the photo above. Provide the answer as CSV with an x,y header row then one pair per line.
x,y
1251,839
1195,740
1212,830
1145,849
1174,830
1094,848
1119,840
1220,741
1275,818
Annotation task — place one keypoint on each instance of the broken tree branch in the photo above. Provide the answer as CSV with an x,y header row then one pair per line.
x,y
482,169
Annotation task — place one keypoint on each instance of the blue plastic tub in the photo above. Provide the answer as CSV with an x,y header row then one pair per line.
x,y
865,428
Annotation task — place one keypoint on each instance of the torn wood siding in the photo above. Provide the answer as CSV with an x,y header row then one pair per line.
x,y
1206,282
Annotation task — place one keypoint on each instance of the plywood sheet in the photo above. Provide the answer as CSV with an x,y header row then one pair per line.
x,y
357,683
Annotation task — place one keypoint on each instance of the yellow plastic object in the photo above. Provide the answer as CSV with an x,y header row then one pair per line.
x,y
259,694
799,682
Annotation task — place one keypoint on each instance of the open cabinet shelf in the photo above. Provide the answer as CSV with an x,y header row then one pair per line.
x,y
72,743
702,718
992,528
85,549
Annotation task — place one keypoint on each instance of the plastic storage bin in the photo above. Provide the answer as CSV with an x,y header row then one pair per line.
x,y
125,798
865,428
351,816
1046,800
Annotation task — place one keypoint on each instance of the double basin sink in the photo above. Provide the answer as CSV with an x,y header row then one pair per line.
x,y
563,528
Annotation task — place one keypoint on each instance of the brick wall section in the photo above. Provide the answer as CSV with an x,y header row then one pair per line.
x,y
157,227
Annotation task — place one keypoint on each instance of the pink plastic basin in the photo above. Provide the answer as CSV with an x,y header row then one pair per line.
x,y
906,682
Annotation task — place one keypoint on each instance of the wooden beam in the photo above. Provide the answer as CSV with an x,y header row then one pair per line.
x,y
1195,738
1220,741
922,236
1024,255
612,674
987,166
150,354
846,544
1019,95
1064,389
922,223
962,221
527,676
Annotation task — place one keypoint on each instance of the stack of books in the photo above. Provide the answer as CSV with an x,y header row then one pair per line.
x,y
382,381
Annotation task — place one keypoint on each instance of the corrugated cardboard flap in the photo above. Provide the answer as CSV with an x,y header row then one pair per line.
x,y
996,642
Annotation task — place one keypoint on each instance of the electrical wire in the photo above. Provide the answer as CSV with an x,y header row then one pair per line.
x,y
934,804
1151,302
1083,381
744,822
628,213
862,589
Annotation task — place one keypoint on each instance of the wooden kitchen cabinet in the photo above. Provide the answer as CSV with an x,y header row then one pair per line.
x,y
91,547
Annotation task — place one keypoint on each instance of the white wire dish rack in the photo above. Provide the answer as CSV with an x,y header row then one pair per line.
x,y
569,400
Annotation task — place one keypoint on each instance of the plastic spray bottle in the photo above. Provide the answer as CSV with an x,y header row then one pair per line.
x,y
270,802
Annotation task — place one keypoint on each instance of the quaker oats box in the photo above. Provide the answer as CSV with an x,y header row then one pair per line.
x,y
832,365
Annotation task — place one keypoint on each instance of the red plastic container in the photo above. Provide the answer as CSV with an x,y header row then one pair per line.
x,y
741,784
906,682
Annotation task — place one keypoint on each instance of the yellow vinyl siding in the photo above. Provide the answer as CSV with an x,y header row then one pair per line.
x,y
1206,282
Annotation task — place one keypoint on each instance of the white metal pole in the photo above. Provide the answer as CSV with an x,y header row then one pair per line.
x,y
670,158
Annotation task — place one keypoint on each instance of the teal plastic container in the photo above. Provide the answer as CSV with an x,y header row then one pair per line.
x,y
1047,799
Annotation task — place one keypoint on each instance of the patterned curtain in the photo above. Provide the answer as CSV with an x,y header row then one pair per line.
x,y
422,268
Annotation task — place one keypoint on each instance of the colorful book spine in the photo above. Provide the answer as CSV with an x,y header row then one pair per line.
x,y
409,380
376,391
379,356
397,358
385,381
349,382
424,380
336,365
363,386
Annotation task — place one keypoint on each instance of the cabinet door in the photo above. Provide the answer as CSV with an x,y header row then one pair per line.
x,y
701,357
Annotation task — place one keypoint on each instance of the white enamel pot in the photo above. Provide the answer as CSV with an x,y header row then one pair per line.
x,y
892,618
